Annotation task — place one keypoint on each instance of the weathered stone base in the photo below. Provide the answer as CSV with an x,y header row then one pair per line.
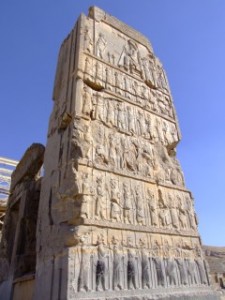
x,y
154,294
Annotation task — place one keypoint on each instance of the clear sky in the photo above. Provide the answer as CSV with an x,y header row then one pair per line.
x,y
189,38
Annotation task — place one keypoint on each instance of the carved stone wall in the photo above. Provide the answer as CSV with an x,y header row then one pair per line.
x,y
115,218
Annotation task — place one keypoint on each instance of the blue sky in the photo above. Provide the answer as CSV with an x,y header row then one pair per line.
x,y
189,38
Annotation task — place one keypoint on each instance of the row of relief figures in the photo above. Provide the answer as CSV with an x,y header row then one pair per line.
x,y
127,55
106,197
126,118
99,77
128,263
135,156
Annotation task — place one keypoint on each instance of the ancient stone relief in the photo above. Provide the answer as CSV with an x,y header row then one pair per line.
x,y
132,226
118,199
126,261
88,39
99,76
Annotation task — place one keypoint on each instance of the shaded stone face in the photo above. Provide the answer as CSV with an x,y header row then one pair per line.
x,y
18,243
115,218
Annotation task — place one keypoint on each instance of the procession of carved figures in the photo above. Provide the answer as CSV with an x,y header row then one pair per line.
x,y
123,263
122,152
104,197
126,118
101,76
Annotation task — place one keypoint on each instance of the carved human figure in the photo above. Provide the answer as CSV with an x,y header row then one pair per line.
x,y
101,202
148,159
131,120
119,152
115,196
190,212
152,103
112,150
101,264
148,68
87,195
158,263
129,156
117,265
100,107
167,108
171,271
202,271
166,249
161,81
156,248
182,271
129,59
163,106
87,144
141,125
144,93
152,206
109,56
127,204
173,133
119,83
165,132
100,45
173,210
137,93
200,265
140,214
88,42
182,213
170,107
191,271
88,69
84,275
99,79
164,213
109,79
120,117
110,113
131,265
145,266
87,102
127,87
149,129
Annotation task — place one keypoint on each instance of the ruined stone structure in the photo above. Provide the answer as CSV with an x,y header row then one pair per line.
x,y
115,220
215,257
6,168
18,244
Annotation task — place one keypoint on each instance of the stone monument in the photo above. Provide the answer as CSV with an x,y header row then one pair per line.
x,y
115,219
